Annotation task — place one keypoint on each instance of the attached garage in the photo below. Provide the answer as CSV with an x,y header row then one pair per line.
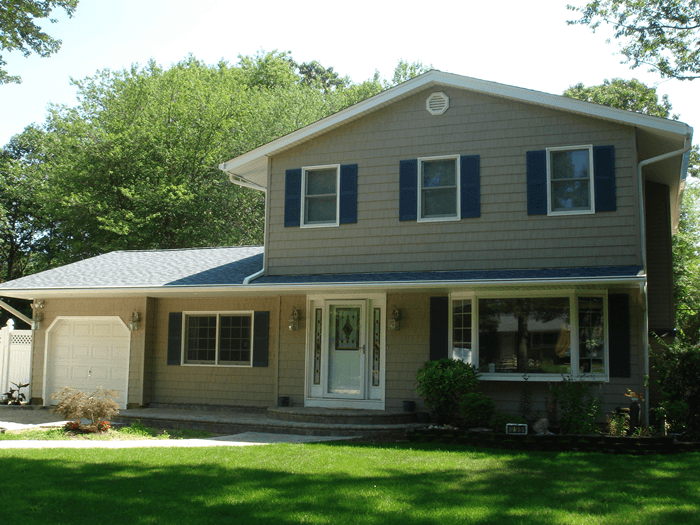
x,y
87,353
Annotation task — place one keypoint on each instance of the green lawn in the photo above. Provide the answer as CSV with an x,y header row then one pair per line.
x,y
345,483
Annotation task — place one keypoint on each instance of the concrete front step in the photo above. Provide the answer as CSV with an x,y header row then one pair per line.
x,y
340,416
231,422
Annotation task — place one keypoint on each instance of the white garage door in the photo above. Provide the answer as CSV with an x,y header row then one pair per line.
x,y
87,353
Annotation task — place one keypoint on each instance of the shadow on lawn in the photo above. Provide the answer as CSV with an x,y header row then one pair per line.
x,y
341,483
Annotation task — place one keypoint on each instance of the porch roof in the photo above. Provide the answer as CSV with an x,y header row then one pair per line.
x,y
222,271
462,276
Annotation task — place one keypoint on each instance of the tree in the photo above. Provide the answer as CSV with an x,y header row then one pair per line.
x,y
134,165
23,227
663,34
18,32
406,71
631,95
686,261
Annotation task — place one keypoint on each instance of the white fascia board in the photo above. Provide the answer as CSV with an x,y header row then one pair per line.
x,y
269,289
246,166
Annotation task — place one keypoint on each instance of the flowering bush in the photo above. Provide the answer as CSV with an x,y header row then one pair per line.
x,y
73,426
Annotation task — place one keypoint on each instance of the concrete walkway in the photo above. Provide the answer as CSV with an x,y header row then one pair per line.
x,y
14,419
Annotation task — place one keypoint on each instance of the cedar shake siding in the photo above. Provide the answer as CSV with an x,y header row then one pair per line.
x,y
495,232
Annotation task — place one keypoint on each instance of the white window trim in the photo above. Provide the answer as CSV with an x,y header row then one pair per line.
x,y
302,220
573,295
458,179
218,314
589,147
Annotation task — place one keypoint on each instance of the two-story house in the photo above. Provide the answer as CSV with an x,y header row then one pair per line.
x,y
526,233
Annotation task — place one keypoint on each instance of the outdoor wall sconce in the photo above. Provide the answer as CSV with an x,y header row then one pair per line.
x,y
294,320
37,316
134,321
395,320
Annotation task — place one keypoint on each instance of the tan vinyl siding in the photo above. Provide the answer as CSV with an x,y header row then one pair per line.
x,y
215,385
501,133
292,350
659,256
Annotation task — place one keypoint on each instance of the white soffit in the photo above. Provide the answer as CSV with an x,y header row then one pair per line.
x,y
252,166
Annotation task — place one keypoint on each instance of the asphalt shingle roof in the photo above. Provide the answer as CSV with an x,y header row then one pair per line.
x,y
149,269
229,266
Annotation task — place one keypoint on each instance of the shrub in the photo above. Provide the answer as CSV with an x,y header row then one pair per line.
x,y
477,409
443,383
97,407
678,369
618,425
579,407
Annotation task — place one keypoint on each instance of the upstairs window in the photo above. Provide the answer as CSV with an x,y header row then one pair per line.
x,y
439,188
320,195
570,180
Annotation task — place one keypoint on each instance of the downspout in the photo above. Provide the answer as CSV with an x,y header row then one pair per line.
x,y
645,333
246,184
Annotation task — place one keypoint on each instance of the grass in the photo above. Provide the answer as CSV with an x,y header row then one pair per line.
x,y
342,483
134,431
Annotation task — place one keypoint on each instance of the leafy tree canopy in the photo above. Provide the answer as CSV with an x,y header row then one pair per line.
x,y
18,32
663,34
631,95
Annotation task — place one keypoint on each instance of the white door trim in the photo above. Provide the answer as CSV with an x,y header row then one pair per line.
x,y
60,318
375,396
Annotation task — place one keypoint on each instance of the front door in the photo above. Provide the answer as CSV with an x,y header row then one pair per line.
x,y
345,353
346,363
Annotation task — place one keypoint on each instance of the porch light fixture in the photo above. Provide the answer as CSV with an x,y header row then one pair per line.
x,y
294,320
134,321
395,320
37,316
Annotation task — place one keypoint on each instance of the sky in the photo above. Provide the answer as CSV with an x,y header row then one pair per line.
x,y
525,44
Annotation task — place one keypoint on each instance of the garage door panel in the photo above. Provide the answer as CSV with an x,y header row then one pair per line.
x,y
79,373
103,330
119,374
63,351
101,352
87,355
80,351
62,373
82,329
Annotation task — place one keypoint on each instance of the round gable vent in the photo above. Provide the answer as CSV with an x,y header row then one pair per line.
x,y
437,103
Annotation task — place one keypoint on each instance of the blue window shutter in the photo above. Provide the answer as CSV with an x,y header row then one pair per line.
x,y
408,190
604,178
292,198
261,337
174,338
470,186
537,182
619,334
439,326
348,194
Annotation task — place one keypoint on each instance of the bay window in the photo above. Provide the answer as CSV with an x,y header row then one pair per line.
x,y
535,337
